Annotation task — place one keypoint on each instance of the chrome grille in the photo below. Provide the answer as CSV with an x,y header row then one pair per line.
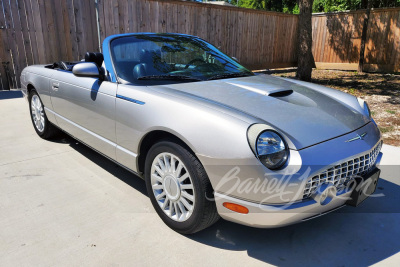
x,y
342,173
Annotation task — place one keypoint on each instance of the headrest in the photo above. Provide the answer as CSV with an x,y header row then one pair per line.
x,y
90,57
94,57
99,58
148,56
144,56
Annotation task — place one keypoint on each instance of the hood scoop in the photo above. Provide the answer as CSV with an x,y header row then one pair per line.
x,y
306,115
281,93
264,89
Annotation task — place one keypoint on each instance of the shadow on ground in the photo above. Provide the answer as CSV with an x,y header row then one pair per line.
x,y
124,175
10,94
377,84
350,236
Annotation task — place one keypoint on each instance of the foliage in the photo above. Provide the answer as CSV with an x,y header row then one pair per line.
x,y
291,6
335,5
286,6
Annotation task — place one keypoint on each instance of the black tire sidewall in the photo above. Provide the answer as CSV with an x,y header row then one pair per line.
x,y
192,223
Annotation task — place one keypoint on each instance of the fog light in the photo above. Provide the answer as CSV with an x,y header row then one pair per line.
x,y
325,193
236,208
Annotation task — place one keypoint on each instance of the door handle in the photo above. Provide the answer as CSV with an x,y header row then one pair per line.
x,y
55,86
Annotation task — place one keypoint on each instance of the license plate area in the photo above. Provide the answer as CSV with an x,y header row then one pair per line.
x,y
365,187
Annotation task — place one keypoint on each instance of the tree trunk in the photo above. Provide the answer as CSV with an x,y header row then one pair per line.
x,y
364,37
364,4
304,52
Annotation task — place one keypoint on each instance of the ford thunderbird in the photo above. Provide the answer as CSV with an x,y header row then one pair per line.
x,y
210,138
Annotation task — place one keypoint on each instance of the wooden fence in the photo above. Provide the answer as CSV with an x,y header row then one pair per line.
x,y
45,31
258,39
337,40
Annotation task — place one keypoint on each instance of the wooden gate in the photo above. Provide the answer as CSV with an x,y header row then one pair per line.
x,y
337,40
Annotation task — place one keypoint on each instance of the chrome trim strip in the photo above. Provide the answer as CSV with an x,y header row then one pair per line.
x,y
131,99
323,213
127,151
92,133
82,128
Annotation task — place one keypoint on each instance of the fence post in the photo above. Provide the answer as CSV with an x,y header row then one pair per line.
x,y
364,37
98,23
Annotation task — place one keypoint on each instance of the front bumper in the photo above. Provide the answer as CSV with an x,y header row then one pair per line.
x,y
270,216
246,178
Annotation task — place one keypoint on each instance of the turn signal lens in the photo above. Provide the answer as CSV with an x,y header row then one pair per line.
x,y
236,208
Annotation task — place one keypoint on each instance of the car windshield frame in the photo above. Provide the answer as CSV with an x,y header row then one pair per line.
x,y
211,64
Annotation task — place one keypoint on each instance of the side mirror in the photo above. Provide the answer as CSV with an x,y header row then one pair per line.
x,y
86,69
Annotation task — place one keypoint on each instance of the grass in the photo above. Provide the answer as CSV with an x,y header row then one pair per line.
x,y
390,111
352,91
386,129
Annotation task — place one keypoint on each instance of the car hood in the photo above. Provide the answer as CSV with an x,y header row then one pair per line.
x,y
304,114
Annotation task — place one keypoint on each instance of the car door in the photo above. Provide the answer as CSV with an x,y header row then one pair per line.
x,y
85,108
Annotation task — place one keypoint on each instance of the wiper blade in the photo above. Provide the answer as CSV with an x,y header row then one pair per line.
x,y
228,75
169,77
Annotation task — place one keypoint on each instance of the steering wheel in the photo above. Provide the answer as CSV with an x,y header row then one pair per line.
x,y
194,60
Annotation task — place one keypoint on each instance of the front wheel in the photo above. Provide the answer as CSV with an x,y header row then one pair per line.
x,y
179,188
42,125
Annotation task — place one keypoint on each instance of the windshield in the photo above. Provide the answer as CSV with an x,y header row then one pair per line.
x,y
169,58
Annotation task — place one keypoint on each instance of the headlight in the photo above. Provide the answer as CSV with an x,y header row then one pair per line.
x,y
271,150
365,107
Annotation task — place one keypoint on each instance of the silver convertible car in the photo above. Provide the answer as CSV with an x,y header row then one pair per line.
x,y
210,138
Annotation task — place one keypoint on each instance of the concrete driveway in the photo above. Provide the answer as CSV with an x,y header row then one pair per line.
x,y
63,204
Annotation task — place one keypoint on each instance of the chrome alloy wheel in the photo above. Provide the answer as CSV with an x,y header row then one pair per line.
x,y
172,186
37,113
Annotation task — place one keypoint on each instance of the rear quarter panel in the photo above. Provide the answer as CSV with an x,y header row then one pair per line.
x,y
39,77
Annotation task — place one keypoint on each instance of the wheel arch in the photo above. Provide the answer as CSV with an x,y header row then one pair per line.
x,y
30,87
154,137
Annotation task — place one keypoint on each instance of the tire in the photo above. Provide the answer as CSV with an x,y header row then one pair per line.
x,y
176,187
43,127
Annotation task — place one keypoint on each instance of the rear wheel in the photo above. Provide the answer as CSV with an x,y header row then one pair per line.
x,y
179,188
43,127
